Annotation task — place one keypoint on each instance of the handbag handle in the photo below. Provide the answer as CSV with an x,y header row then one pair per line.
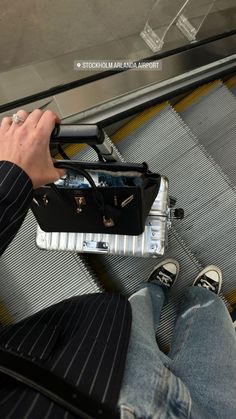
x,y
82,133
98,197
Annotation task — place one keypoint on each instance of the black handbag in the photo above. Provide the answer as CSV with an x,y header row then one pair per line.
x,y
119,205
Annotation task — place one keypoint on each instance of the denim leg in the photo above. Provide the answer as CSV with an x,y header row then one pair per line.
x,y
149,389
159,296
203,353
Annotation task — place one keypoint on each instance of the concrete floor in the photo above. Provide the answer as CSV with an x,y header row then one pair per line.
x,y
35,31
41,39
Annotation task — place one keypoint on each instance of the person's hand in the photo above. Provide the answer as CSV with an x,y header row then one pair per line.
x,y
27,145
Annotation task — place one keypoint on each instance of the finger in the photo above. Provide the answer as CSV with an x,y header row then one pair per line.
x,y
61,172
55,174
6,123
47,122
23,115
34,118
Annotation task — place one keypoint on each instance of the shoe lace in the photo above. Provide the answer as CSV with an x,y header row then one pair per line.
x,y
164,278
206,284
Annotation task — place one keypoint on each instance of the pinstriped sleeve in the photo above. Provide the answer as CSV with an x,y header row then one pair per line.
x,y
16,192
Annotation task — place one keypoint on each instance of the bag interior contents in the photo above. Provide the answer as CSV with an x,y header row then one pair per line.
x,y
102,178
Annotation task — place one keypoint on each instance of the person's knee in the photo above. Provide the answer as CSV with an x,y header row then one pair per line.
x,y
201,296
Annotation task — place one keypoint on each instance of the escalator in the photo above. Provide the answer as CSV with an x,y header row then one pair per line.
x,y
184,126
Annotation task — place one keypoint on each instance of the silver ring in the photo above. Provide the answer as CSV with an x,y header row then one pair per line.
x,y
16,118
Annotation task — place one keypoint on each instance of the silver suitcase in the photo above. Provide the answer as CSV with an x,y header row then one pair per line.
x,y
152,243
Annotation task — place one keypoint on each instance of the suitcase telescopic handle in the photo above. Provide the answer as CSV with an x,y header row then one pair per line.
x,y
83,133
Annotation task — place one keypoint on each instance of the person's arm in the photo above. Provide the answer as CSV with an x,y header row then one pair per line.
x,y
25,164
16,192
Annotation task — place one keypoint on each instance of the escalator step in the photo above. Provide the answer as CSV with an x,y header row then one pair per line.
x,y
211,116
231,84
32,279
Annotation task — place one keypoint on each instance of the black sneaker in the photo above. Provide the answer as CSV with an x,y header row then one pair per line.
x,y
209,278
165,273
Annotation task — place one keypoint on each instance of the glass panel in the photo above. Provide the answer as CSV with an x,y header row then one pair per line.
x,y
161,17
192,17
40,40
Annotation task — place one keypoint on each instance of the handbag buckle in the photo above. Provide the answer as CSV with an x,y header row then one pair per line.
x,y
80,200
45,200
127,201
108,222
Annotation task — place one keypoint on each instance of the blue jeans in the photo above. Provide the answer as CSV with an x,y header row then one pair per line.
x,y
198,377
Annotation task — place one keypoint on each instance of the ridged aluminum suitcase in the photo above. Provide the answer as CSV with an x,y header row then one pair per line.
x,y
151,243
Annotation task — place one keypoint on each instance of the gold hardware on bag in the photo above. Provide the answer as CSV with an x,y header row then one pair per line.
x,y
80,200
36,202
45,200
108,223
127,201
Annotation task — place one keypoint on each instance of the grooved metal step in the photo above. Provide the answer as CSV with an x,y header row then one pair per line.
x,y
32,279
231,84
211,116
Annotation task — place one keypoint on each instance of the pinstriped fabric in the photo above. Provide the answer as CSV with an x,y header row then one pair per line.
x,y
7,397
33,404
104,352
89,354
16,193
72,333
17,404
